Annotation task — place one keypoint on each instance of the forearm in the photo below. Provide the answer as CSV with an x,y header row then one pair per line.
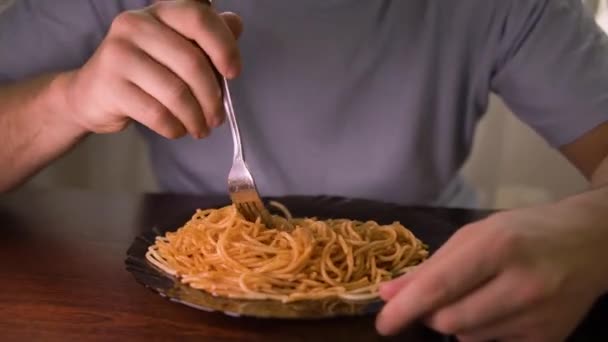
x,y
35,128
589,212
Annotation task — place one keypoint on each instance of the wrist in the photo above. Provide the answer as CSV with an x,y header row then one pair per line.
x,y
60,114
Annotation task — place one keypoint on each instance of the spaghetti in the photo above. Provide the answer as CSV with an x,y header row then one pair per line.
x,y
218,251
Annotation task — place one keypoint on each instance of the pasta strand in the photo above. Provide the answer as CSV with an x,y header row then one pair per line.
x,y
218,251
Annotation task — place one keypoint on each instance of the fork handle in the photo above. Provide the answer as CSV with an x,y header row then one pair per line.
x,y
234,127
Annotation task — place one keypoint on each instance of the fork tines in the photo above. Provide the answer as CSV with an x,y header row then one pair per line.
x,y
250,205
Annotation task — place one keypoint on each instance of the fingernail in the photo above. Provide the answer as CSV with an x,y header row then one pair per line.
x,y
231,73
390,288
233,70
214,122
221,119
387,291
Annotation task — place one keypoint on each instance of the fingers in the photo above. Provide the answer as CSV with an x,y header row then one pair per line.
x,y
495,301
168,89
190,64
503,330
201,24
389,289
149,112
234,22
550,319
171,51
460,268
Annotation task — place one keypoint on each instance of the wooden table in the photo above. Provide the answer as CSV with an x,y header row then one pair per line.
x,y
63,278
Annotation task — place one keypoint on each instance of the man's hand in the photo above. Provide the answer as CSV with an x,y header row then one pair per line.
x,y
157,66
528,274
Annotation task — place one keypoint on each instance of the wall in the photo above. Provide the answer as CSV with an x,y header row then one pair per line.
x,y
512,166
107,163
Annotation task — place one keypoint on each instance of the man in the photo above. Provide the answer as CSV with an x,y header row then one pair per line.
x,y
375,99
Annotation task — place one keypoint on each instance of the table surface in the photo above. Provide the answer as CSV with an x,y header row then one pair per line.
x,y
63,278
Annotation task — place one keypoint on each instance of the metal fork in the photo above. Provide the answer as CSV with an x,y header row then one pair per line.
x,y
241,186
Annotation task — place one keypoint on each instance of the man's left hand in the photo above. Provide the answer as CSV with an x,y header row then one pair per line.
x,y
527,274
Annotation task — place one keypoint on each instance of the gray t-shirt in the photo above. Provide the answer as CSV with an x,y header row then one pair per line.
x,y
372,99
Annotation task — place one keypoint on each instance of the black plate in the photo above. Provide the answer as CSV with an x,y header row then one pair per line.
x,y
432,226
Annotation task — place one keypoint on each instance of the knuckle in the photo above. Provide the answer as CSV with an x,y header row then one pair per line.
x,y
226,57
220,117
507,241
191,13
173,133
181,8
195,63
216,104
159,116
163,122
214,114
437,290
466,230
199,13
115,49
533,290
177,90
445,322
228,53
126,22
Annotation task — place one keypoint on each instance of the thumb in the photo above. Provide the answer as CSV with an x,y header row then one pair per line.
x,y
233,22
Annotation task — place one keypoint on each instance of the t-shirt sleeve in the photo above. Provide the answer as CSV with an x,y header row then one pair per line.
x,y
40,36
552,67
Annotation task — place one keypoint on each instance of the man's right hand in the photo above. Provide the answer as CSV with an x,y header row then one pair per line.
x,y
158,66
